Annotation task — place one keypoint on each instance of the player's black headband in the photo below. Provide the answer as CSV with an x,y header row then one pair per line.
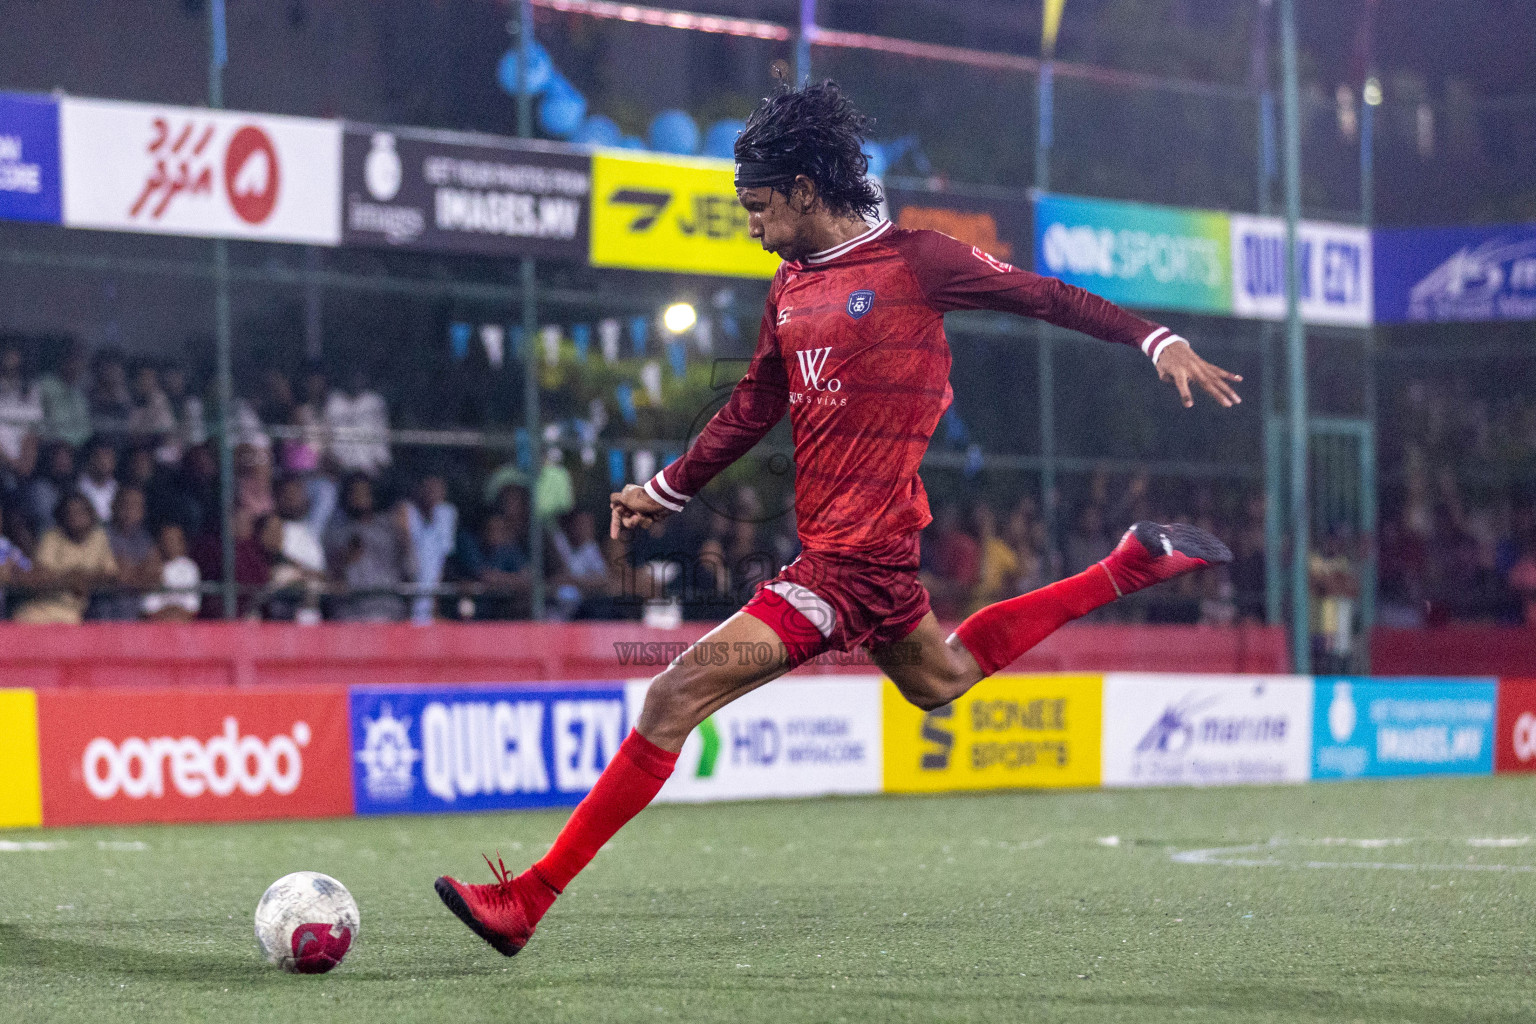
x,y
757,173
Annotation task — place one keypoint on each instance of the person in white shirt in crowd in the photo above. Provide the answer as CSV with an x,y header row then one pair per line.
x,y
99,481
301,545
434,524
582,573
21,413
357,421
179,600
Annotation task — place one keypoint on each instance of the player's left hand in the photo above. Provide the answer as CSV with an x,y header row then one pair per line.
x,y
632,507
1179,364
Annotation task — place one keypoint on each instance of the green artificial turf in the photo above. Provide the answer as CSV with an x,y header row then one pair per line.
x,y
1355,902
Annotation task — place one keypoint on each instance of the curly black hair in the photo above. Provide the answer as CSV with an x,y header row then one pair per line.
x,y
818,130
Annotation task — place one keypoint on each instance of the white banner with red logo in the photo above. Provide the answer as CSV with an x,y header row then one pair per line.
x,y
205,173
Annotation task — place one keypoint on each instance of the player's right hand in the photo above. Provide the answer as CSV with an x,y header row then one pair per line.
x,y
632,507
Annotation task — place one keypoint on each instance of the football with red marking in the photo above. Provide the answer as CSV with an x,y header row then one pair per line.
x,y
306,922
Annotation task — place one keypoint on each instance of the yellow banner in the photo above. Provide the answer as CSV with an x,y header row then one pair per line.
x,y
21,796
1009,732
678,214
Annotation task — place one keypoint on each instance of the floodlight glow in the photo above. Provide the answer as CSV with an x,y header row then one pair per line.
x,y
1373,92
679,317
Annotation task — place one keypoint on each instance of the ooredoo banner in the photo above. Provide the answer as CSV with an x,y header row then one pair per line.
x,y
119,756
200,172
29,158
437,749
439,191
1514,748
1175,730
20,799
1008,732
1393,727
791,738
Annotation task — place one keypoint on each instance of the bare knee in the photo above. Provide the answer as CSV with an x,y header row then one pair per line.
x,y
674,704
932,690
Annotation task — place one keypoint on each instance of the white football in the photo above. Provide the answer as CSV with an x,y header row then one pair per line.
x,y
306,922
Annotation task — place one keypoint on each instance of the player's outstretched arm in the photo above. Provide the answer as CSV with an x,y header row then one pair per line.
x,y
1179,365
632,508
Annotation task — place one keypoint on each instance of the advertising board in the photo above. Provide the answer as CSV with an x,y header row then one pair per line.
x,y
20,793
1514,748
1156,257
436,749
125,756
1194,730
1333,263
1379,727
1008,732
791,738
29,158
672,213
200,172
1467,274
443,192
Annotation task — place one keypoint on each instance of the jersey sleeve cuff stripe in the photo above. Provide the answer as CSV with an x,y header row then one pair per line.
x,y
1171,339
668,489
1149,340
656,496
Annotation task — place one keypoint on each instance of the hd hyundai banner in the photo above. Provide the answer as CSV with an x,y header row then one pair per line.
x,y
445,192
29,158
200,172
120,756
436,749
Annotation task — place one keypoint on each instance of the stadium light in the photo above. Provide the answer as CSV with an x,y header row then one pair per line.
x,y
1372,92
679,317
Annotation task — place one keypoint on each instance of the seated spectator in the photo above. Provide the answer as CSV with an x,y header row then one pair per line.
x,y
253,482
434,526
21,413
179,599
496,561
998,565
150,419
582,583
252,569
293,590
54,479
370,555
99,481
357,423
110,400
73,559
187,408
138,560
310,456
301,546
14,564
66,408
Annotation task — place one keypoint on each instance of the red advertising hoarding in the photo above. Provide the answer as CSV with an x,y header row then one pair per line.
x,y
119,757
1514,748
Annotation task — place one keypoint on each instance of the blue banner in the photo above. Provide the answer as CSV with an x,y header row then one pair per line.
x,y
1396,727
1464,275
29,159
436,749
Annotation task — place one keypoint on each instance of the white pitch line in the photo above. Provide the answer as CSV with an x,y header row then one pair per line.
x,y
1230,857
30,846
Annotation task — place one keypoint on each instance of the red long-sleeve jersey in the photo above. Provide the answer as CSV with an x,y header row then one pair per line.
x,y
852,345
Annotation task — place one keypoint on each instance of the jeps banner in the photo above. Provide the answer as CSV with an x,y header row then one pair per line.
x,y
1469,274
1333,270
445,192
1157,257
791,738
1173,730
433,749
1403,727
29,158
200,172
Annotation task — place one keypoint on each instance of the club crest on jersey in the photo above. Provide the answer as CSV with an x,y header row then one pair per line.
x,y
860,302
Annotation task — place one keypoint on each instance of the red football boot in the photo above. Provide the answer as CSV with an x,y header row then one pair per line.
x,y
503,914
1151,553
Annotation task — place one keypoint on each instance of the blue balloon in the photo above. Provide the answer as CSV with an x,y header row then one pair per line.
x,y
674,131
540,70
878,161
720,140
563,109
631,142
597,130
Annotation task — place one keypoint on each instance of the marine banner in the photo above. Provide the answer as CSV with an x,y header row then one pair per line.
x,y
20,790
1465,274
436,749
1197,730
1009,732
791,738
677,214
444,192
1395,727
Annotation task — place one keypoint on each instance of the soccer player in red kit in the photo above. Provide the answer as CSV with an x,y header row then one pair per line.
x,y
852,346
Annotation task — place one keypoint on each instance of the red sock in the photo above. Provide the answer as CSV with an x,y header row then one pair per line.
x,y
1001,632
631,780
